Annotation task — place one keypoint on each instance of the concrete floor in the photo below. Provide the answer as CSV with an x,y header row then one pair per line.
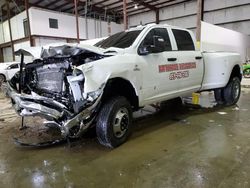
x,y
204,147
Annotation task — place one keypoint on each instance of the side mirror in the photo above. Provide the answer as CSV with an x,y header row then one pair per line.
x,y
157,46
144,50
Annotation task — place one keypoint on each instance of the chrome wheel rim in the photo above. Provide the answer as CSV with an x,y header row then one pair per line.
x,y
120,123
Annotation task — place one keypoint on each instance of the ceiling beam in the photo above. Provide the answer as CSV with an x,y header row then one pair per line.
x,y
38,2
100,2
93,7
120,7
165,2
136,10
169,3
22,3
129,5
147,5
69,8
59,7
51,3
116,2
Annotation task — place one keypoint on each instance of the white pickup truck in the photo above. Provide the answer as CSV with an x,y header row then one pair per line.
x,y
78,87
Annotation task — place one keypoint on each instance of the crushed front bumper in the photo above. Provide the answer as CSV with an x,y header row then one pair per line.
x,y
54,112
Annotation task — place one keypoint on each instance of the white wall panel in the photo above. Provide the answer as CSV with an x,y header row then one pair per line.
x,y
115,28
174,11
40,23
67,25
17,28
1,34
141,19
184,22
7,54
215,4
172,15
42,41
6,31
39,19
228,15
242,27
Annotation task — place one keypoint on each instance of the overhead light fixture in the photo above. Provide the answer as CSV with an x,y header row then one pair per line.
x,y
136,6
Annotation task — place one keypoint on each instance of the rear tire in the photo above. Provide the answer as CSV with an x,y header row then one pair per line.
x,y
232,91
114,122
218,95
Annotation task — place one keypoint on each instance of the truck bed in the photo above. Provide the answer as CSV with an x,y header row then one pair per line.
x,y
216,66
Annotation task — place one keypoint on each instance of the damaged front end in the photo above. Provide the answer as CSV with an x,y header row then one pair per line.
x,y
53,88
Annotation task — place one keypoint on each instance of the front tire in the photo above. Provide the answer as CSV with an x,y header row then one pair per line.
x,y
232,91
114,122
218,95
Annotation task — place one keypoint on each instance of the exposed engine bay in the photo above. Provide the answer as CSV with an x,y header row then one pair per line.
x,y
52,87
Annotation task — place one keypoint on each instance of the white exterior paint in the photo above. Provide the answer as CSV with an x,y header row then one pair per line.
x,y
151,89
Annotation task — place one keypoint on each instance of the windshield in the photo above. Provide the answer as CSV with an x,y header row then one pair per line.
x,y
119,40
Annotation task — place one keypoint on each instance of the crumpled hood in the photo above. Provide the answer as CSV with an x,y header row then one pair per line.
x,y
39,52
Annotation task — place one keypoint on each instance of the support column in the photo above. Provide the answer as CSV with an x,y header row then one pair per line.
x,y
1,55
157,14
200,8
1,49
125,16
26,2
11,40
77,21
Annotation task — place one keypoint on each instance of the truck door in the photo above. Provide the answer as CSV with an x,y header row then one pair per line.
x,y
157,67
190,62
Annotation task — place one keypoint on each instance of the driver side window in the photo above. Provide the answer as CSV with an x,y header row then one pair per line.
x,y
157,32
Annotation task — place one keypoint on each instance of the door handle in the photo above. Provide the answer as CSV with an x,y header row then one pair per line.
x,y
198,57
172,59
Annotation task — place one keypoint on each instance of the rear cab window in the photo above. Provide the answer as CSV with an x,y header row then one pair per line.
x,y
183,40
